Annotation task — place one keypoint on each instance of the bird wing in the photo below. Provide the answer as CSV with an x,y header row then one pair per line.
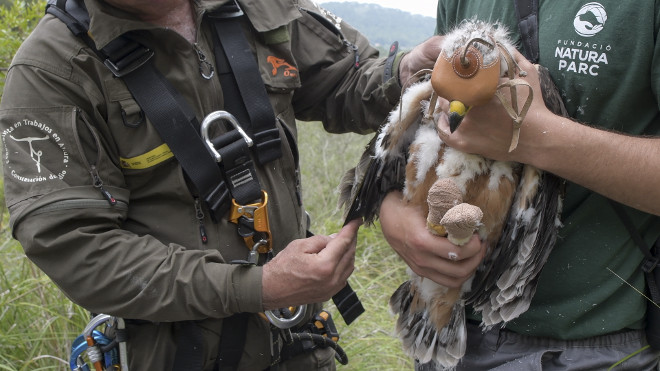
x,y
506,281
382,166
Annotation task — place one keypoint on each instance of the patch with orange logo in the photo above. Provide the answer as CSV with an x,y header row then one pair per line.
x,y
289,70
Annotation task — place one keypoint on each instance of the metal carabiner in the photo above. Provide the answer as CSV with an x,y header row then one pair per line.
x,y
287,323
221,115
90,340
257,215
93,351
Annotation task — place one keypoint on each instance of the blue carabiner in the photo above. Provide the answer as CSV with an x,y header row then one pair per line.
x,y
79,346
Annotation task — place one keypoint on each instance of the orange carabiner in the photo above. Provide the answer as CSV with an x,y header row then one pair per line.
x,y
257,215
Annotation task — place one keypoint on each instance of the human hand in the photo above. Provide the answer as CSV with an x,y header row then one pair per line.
x,y
488,129
428,255
423,56
310,270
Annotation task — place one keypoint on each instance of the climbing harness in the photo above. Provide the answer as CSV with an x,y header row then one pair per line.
x,y
251,218
220,168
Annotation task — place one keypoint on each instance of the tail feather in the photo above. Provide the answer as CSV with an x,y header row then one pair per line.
x,y
422,336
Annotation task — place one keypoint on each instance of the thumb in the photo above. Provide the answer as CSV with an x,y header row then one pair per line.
x,y
342,241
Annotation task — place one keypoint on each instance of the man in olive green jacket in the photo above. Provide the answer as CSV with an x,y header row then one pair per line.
x,y
101,205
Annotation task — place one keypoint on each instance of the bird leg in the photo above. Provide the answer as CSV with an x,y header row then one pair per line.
x,y
448,215
461,221
442,196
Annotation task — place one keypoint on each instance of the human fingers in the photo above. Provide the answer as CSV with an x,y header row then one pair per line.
x,y
342,242
458,266
422,56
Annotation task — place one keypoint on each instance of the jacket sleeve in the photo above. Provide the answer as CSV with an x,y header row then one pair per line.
x,y
55,138
341,74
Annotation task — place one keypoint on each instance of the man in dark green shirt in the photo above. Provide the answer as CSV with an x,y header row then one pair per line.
x,y
602,56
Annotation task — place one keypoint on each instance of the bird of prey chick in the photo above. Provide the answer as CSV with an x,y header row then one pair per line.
x,y
513,207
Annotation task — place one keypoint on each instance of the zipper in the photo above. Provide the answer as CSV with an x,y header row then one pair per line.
x,y
199,214
93,171
205,67
98,183
354,48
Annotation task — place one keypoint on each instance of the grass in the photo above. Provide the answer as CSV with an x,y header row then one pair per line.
x,y
369,341
38,323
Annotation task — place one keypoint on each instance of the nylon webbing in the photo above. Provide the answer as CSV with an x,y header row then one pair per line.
x,y
177,125
231,347
238,167
189,347
238,72
528,23
348,304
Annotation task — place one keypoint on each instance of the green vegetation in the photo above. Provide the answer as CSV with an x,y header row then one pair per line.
x,y
38,323
384,25
17,18
369,342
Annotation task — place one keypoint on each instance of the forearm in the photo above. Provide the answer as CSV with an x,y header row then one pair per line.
x,y
108,270
618,166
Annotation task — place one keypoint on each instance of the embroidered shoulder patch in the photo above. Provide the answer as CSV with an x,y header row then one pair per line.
x,y
34,152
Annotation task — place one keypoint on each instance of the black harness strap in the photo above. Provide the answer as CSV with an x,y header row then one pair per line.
x,y
176,124
348,304
528,23
189,347
243,89
231,346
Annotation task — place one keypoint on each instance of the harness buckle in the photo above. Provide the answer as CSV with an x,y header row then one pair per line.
x,y
325,326
217,116
130,61
256,216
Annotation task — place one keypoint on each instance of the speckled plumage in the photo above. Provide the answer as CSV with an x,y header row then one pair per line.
x,y
520,204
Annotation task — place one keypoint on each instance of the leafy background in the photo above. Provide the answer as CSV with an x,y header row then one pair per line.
x,y
38,323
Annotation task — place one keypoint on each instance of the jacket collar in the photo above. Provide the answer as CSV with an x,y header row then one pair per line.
x,y
267,15
108,22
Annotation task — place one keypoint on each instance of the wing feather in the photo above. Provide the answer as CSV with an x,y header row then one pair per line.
x,y
382,167
506,281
